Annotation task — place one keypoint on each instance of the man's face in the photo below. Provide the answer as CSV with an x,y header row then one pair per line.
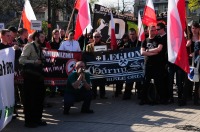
x,y
159,30
97,37
71,36
152,31
132,35
80,67
6,38
41,38
13,35
62,33
25,34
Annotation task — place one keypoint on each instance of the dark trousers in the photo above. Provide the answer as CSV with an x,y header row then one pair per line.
x,y
128,89
34,93
188,86
83,95
153,72
119,87
101,84
172,69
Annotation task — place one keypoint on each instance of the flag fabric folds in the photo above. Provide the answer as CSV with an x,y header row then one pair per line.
x,y
27,16
176,18
83,20
141,35
112,35
149,17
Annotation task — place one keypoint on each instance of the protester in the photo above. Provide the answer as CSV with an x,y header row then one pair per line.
x,y
23,38
55,40
78,89
30,38
132,43
193,48
120,45
13,35
151,49
164,92
83,41
70,44
34,90
99,82
55,44
62,34
5,39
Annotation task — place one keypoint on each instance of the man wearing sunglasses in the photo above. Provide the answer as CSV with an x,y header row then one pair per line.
x,y
164,97
99,82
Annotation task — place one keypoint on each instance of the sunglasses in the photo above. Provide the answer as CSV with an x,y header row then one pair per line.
x,y
96,36
158,29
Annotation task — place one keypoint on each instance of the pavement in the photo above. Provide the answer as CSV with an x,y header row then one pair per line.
x,y
114,115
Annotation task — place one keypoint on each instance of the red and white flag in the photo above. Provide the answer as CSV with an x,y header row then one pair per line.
x,y
141,35
149,17
83,21
113,42
176,18
27,16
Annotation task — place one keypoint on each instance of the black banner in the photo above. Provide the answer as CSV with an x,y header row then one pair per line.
x,y
101,22
58,65
126,65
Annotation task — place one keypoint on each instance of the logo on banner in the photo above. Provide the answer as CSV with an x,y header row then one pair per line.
x,y
70,66
101,24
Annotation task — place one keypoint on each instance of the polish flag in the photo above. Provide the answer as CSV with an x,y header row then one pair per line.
x,y
113,37
149,17
27,16
176,18
83,21
141,35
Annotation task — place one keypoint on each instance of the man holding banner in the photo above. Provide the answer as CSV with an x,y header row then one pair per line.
x,y
95,83
7,58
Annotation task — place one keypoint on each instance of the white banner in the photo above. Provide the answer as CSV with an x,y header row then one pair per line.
x,y
36,25
7,100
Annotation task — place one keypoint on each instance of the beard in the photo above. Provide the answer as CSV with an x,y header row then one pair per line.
x,y
40,42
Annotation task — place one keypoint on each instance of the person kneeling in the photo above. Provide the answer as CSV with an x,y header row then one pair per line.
x,y
78,89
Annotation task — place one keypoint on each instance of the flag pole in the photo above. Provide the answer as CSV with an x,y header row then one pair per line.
x,y
20,22
188,32
70,20
85,38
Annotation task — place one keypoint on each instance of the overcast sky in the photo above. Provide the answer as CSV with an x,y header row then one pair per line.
x,y
108,3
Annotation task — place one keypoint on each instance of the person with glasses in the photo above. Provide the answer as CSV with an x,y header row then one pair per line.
x,y
162,35
70,44
151,49
97,82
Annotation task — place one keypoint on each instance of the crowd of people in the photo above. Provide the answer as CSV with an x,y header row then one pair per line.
x,y
160,75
